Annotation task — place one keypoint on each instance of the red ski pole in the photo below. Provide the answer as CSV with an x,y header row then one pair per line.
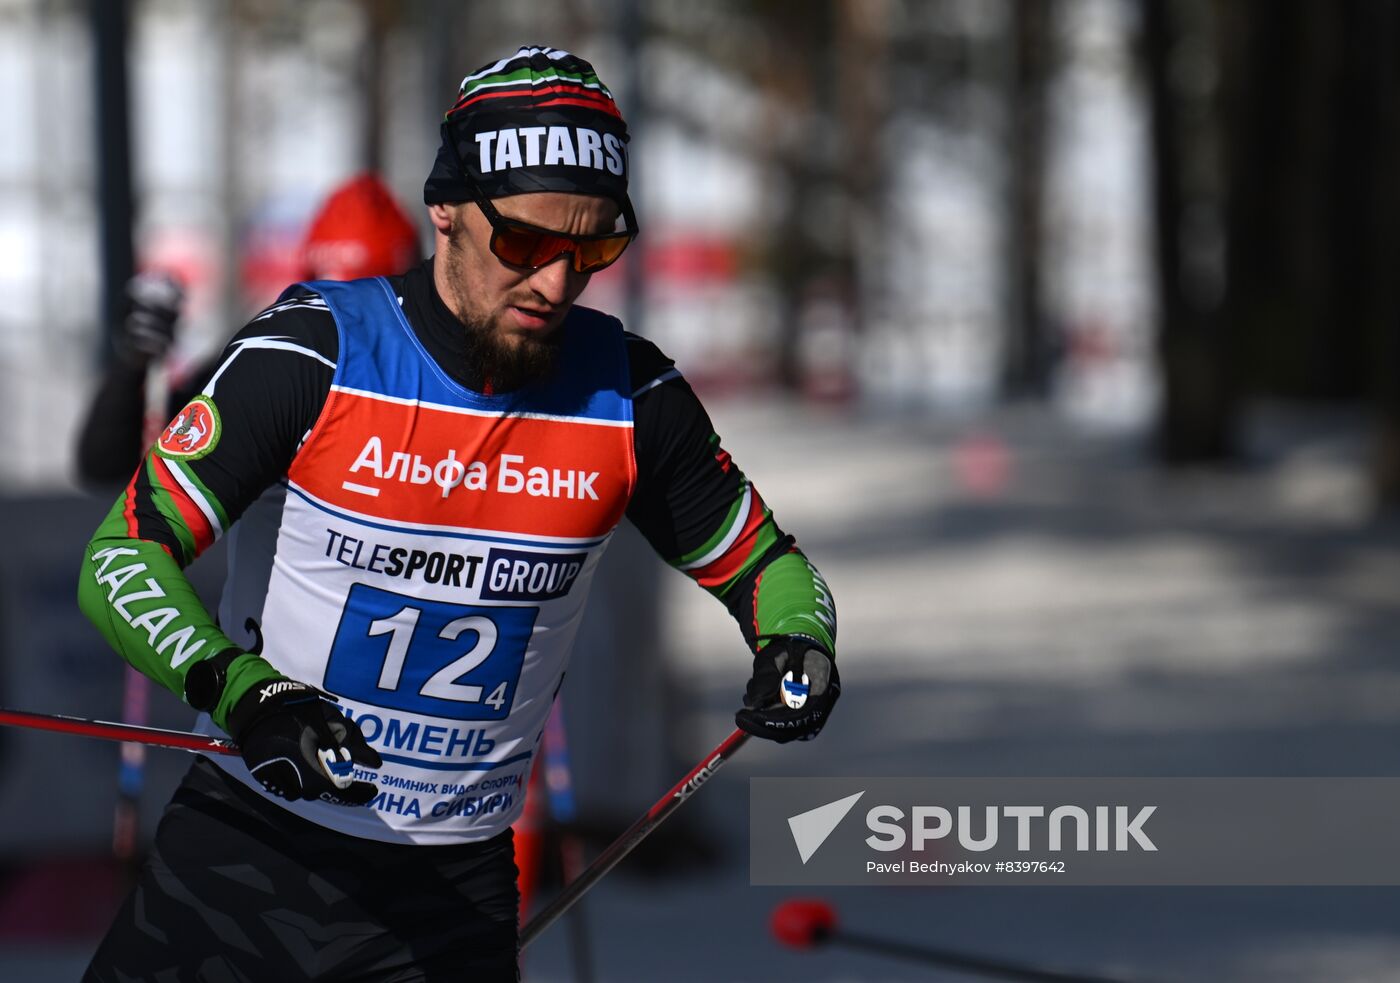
x,y
154,736
637,832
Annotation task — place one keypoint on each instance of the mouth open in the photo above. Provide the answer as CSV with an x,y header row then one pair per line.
x,y
532,318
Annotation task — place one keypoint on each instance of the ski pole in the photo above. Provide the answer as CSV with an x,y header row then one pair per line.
x,y
154,736
806,924
558,780
637,832
131,773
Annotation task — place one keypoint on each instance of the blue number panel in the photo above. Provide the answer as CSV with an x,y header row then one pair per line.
x,y
357,665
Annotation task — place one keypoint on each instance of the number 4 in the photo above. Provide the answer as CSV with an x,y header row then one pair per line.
x,y
497,699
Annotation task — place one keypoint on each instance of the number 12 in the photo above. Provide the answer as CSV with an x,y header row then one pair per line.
x,y
442,684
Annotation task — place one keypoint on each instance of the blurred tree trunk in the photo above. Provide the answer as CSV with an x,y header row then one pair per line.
x,y
1026,364
1194,340
1310,96
1374,62
108,20
801,79
1297,164
382,18
863,105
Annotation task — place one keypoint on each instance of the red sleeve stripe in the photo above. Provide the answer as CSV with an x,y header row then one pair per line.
x,y
727,566
190,513
129,507
757,582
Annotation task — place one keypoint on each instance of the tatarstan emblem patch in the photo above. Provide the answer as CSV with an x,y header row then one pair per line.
x,y
193,433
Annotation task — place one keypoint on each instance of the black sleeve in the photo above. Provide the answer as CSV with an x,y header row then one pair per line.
x,y
269,388
686,483
190,385
109,441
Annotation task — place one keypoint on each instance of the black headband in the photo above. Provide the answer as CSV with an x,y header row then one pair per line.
x,y
515,151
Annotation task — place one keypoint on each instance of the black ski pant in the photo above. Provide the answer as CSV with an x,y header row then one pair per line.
x,y
239,890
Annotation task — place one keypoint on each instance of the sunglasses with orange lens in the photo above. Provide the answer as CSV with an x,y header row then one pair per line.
x,y
529,246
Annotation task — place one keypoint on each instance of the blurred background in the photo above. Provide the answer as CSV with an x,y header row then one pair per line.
x,y
1064,334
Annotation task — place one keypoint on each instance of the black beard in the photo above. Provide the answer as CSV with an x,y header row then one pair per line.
x,y
506,367
487,362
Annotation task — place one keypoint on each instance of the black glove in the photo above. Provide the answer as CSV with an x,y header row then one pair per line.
x,y
794,686
148,321
299,745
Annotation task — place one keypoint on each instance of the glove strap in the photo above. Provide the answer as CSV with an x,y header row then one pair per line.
x,y
205,680
797,636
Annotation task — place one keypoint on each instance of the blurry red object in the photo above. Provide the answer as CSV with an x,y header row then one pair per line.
x,y
691,260
803,922
982,464
360,231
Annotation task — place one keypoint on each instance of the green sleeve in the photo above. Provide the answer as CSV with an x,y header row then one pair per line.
x,y
142,603
791,598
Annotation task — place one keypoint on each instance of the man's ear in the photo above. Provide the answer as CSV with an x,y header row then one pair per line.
x,y
443,215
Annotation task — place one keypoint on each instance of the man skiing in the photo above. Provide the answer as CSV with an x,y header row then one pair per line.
x,y
418,475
